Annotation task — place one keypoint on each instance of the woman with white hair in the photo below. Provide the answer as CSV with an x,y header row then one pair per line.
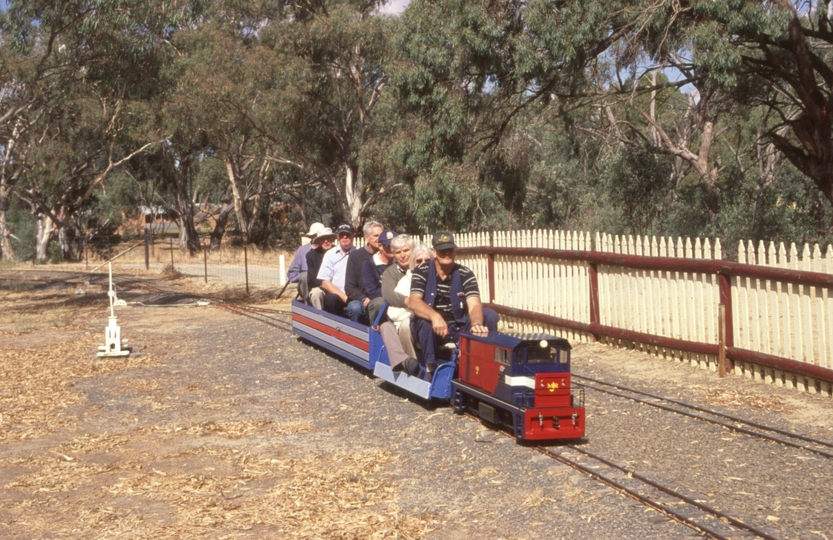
x,y
396,289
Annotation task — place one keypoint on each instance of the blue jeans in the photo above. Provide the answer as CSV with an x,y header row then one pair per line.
x,y
355,311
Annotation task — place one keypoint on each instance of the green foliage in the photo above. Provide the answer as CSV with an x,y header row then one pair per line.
x,y
635,182
463,115
24,228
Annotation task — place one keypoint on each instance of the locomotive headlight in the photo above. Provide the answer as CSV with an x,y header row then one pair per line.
x,y
544,344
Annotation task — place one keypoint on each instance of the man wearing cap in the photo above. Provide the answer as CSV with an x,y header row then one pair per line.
x,y
297,272
324,242
357,300
333,269
372,270
445,300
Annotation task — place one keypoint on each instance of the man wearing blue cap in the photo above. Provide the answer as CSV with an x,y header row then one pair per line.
x,y
333,269
445,300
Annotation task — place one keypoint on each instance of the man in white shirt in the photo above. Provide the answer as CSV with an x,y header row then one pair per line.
x,y
334,268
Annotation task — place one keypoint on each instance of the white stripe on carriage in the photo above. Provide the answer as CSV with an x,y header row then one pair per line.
x,y
345,329
335,342
520,381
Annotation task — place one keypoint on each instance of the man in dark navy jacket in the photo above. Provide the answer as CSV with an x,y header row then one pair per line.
x,y
372,270
445,300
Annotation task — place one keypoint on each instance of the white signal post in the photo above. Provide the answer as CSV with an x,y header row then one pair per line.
x,y
113,345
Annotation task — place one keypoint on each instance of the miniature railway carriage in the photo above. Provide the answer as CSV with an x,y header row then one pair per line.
x,y
522,382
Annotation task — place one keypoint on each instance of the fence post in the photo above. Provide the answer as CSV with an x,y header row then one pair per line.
x,y
726,326
147,243
246,267
593,275
171,241
721,340
205,260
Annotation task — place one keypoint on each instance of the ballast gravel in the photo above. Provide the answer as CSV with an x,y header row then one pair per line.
x,y
443,476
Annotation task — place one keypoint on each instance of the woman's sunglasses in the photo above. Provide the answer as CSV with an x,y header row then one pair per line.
x,y
420,261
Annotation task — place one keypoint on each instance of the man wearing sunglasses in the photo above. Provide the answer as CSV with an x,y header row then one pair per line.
x,y
445,300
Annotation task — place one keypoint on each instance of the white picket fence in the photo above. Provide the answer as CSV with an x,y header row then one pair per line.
x,y
781,319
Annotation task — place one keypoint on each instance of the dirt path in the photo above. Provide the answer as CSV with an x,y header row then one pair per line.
x,y
219,427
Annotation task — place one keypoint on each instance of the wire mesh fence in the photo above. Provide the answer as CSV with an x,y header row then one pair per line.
x,y
245,266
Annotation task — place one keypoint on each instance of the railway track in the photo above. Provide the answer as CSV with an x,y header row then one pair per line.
x,y
671,502
733,423
263,315
674,503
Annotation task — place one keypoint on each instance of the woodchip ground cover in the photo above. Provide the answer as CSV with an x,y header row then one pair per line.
x,y
218,426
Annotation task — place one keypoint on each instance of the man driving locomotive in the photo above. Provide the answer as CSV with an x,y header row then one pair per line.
x,y
445,300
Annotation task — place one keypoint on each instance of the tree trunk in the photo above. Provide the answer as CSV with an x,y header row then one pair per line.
x,y
221,221
66,244
354,185
45,231
188,239
6,249
239,204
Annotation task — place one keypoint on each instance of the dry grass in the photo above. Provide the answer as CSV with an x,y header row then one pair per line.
x,y
67,470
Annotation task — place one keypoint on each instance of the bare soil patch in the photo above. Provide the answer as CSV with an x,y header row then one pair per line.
x,y
217,426
136,447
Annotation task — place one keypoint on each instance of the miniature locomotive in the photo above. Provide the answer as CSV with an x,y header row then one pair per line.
x,y
519,381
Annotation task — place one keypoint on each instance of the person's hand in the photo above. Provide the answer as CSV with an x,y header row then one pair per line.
x,y
479,329
439,325
365,302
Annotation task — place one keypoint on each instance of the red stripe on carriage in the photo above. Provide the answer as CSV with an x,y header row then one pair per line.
x,y
334,332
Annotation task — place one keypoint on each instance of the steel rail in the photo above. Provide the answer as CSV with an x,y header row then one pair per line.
x,y
755,425
256,314
733,353
735,522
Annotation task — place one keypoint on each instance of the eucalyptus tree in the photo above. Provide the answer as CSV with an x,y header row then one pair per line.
x,y
30,75
471,68
223,79
95,63
322,103
83,140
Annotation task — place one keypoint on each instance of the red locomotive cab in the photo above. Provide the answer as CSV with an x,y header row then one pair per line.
x,y
478,365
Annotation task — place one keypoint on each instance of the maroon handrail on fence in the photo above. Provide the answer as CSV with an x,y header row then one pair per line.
x,y
724,270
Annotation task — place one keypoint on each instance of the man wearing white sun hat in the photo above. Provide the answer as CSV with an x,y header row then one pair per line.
x,y
297,272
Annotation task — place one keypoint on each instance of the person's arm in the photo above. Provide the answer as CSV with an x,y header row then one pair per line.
x,y
353,277
476,314
390,281
424,311
371,280
328,286
293,274
313,267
